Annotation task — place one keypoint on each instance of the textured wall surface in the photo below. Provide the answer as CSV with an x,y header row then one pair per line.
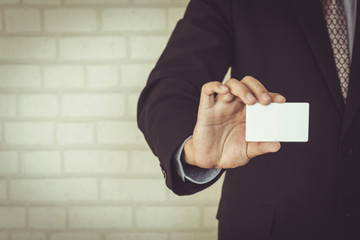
x,y
73,164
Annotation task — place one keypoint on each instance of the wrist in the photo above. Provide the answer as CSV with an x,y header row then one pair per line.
x,y
187,156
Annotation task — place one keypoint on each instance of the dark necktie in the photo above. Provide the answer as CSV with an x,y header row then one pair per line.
x,y
337,29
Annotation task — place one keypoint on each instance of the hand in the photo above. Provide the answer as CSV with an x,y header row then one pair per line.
x,y
218,140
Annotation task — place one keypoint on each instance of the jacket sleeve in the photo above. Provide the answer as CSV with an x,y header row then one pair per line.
x,y
199,50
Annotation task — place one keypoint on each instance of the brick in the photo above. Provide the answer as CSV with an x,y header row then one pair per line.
x,y
209,217
96,48
95,161
185,2
168,217
95,1
135,75
149,19
132,102
8,162
22,20
144,162
3,191
73,20
75,236
4,236
27,48
29,133
12,217
119,133
174,15
41,162
43,2
1,27
63,77
98,217
93,105
102,76
7,105
143,190
28,236
75,133
152,1
210,235
9,1
147,47
53,190
47,218
20,76
137,236
39,105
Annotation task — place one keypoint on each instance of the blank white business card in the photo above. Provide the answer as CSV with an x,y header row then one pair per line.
x,y
277,122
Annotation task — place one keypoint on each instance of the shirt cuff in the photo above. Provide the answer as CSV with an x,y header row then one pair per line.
x,y
193,173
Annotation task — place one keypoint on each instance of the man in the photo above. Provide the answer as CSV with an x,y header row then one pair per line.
x,y
309,51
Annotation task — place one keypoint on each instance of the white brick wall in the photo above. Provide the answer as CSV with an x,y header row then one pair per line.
x,y
135,19
25,48
29,133
12,217
47,218
19,76
75,236
70,20
93,105
95,161
63,76
92,48
73,165
75,133
41,162
28,236
39,105
100,217
22,20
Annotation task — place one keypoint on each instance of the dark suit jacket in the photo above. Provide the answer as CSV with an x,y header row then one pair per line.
x,y
306,190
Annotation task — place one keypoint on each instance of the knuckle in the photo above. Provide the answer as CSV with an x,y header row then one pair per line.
x,y
231,81
227,82
248,78
205,87
245,161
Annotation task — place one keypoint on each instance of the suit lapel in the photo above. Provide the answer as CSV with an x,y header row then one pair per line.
x,y
353,100
311,19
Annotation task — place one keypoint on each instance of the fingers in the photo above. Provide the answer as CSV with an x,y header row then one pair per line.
x,y
260,92
207,97
250,91
240,90
258,148
278,98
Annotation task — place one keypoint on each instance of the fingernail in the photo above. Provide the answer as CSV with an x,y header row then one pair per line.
x,y
281,98
266,97
250,97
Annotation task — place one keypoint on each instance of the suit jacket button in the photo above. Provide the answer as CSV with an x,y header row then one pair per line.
x,y
347,150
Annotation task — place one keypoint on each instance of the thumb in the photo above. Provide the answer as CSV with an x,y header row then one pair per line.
x,y
259,148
